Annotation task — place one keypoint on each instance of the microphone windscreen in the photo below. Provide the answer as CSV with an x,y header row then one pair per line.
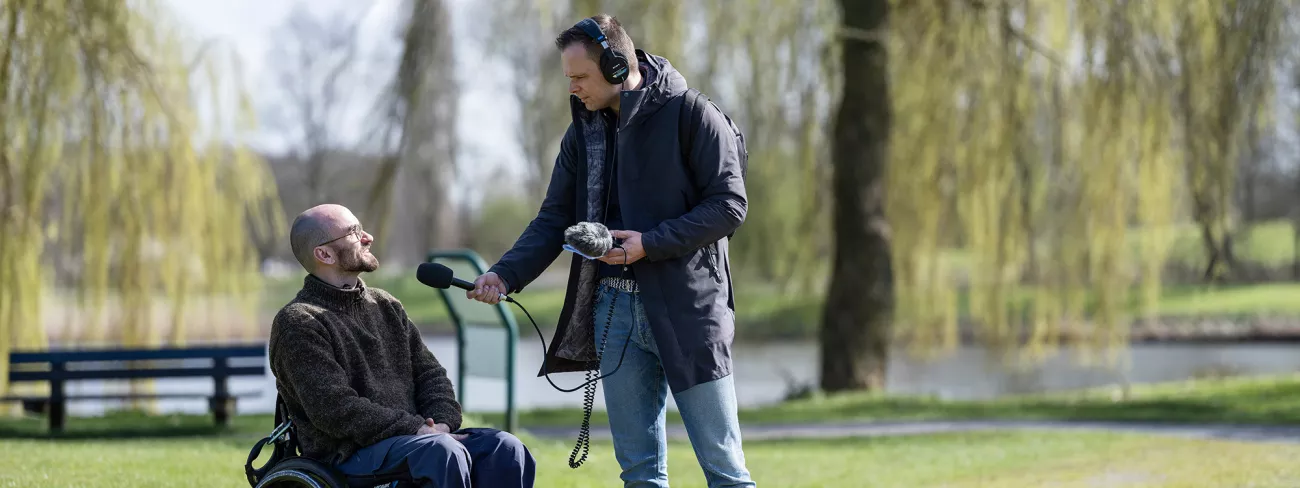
x,y
434,275
590,238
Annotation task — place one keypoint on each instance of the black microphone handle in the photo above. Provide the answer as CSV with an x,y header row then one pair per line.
x,y
462,284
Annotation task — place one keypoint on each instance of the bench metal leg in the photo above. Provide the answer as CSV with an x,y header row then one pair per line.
x,y
58,399
222,404
221,408
57,414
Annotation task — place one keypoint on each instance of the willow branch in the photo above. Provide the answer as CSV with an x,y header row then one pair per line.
x,y
1028,41
863,35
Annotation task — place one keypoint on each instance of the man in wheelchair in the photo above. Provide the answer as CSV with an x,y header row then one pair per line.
x,y
365,396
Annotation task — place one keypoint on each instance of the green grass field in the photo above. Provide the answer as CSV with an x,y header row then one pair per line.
x,y
1269,400
1012,460
129,449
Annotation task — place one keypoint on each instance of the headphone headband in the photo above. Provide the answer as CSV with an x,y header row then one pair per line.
x,y
593,29
613,65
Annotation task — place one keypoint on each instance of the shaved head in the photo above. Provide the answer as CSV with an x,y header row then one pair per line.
x,y
308,230
315,226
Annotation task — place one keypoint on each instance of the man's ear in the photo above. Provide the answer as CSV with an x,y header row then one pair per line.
x,y
323,254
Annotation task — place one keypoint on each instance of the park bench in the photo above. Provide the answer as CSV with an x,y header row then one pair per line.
x,y
59,367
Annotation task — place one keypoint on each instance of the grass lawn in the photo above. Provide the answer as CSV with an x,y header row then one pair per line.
x,y
1270,298
1270,400
985,459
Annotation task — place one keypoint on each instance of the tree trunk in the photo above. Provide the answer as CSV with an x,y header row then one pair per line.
x,y
1295,232
1295,249
859,304
1250,173
1222,262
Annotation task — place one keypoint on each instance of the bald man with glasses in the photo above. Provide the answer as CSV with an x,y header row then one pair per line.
x,y
365,393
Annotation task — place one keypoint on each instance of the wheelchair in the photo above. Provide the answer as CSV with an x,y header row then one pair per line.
x,y
288,468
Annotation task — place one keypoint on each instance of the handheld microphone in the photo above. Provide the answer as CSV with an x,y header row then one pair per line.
x,y
435,275
589,239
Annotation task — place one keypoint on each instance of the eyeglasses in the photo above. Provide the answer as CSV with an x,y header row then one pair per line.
x,y
354,230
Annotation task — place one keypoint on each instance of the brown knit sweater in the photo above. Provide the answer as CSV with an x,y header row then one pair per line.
x,y
352,370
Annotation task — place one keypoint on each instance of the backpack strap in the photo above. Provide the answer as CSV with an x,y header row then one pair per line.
x,y
689,121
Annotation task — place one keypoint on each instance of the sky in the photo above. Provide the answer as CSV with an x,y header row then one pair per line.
x,y
486,120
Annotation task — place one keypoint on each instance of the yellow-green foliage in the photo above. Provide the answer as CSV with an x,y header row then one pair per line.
x,y
1035,135
107,164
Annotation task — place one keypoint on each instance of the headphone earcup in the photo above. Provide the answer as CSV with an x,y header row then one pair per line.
x,y
614,66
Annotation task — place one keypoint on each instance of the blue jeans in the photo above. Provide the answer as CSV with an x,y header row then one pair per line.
x,y
488,457
636,396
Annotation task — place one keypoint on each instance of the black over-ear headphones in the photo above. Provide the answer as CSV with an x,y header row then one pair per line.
x,y
613,65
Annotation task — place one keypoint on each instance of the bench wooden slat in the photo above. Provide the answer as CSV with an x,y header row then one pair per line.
x,y
71,355
114,374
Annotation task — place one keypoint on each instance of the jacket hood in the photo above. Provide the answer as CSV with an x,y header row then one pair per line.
x,y
662,83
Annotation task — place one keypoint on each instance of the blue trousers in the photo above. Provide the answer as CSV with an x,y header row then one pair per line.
x,y
487,458
635,401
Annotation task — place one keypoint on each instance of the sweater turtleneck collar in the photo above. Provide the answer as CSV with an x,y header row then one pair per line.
x,y
315,287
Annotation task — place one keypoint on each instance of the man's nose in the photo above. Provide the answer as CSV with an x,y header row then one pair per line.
x,y
366,238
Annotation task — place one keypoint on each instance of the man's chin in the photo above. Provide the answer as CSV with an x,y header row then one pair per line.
x,y
370,266
366,265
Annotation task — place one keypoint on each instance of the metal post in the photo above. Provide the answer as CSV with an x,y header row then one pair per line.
x,y
512,419
460,358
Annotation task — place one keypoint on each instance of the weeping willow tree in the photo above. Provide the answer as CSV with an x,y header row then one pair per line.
x,y
782,105
1037,157
1034,166
117,172
1224,86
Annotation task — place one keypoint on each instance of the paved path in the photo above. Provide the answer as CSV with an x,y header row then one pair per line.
x,y
1254,433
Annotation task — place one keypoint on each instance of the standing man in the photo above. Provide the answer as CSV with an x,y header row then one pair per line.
x,y
673,202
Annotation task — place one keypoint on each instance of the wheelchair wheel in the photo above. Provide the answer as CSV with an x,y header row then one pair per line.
x,y
302,472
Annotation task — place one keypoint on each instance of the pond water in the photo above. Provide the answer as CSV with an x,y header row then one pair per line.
x,y
765,372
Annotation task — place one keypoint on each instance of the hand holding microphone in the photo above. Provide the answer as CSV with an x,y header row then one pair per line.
x,y
488,288
592,240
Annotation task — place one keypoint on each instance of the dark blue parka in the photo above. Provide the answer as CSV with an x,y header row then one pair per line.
x,y
685,209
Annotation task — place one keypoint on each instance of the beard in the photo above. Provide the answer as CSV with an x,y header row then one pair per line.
x,y
358,260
